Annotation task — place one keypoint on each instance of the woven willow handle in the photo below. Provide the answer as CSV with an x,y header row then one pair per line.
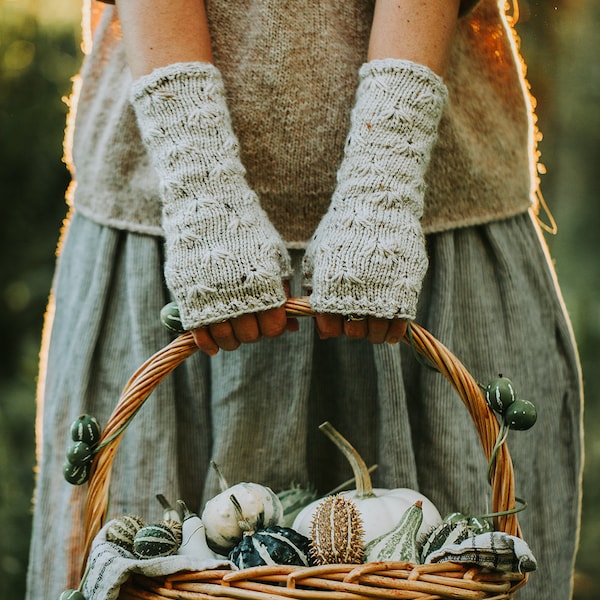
x,y
156,368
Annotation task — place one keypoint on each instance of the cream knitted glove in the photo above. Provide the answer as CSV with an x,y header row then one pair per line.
x,y
223,256
367,256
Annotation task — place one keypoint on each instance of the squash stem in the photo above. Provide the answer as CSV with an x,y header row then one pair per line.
x,y
364,487
222,481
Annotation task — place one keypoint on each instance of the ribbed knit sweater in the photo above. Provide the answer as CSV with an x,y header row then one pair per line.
x,y
290,73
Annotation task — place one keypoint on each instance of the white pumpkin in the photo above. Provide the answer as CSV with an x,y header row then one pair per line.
x,y
380,509
260,508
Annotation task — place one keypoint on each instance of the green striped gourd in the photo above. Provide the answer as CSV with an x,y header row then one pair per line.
x,y
271,546
293,500
454,529
399,544
153,541
122,530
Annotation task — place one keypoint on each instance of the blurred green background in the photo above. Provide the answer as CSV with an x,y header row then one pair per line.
x,y
40,53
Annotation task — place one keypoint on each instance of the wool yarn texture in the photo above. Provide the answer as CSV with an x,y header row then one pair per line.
x,y
368,254
224,258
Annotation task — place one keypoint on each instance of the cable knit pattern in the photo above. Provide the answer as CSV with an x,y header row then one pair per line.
x,y
223,256
368,256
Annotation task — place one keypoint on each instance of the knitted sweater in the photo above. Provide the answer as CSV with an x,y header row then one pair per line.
x,y
291,75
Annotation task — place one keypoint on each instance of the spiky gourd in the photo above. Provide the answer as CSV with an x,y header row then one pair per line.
x,y
336,532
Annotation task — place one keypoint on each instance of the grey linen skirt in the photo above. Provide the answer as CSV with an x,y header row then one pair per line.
x,y
490,296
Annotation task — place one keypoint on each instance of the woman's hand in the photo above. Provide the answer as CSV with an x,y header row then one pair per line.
x,y
377,331
246,329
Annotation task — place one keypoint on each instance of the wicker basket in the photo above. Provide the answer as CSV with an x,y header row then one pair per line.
x,y
335,582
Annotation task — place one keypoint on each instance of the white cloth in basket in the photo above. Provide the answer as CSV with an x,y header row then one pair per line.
x,y
109,567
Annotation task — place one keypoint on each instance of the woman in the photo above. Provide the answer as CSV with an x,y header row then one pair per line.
x,y
277,146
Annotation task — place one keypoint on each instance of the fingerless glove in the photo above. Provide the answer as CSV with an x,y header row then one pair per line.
x,y
223,256
367,256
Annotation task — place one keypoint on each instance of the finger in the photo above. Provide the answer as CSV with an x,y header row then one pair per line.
x,y
245,328
222,334
377,330
272,322
355,328
204,341
396,331
329,325
292,323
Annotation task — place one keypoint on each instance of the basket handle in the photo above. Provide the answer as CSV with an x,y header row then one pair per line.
x,y
156,368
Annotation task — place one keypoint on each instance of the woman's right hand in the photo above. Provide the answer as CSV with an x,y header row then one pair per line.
x,y
246,329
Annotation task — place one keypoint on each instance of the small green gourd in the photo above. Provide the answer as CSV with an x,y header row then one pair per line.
x,y
122,531
80,453
399,544
500,393
293,500
86,429
153,541
520,415
76,474
171,318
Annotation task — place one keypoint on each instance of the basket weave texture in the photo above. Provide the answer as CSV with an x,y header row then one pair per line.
x,y
334,582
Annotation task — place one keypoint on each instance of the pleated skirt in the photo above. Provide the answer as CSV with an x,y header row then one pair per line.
x,y
490,296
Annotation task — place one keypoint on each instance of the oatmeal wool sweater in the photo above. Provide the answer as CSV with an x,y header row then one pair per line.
x,y
291,73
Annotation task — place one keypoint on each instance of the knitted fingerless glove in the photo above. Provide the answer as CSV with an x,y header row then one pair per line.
x,y
367,256
223,256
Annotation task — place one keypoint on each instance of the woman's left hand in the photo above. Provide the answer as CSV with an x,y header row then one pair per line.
x,y
376,330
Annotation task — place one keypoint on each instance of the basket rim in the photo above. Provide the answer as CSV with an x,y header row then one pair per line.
x,y
162,363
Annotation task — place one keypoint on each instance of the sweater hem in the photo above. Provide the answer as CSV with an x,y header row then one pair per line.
x,y
302,244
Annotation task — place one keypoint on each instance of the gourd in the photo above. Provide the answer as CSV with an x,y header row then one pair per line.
x,y
260,507
520,415
85,436
399,544
336,532
171,318
293,500
455,528
153,541
71,595
380,509
193,535
271,546
122,531
86,429
76,474
170,513
500,393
